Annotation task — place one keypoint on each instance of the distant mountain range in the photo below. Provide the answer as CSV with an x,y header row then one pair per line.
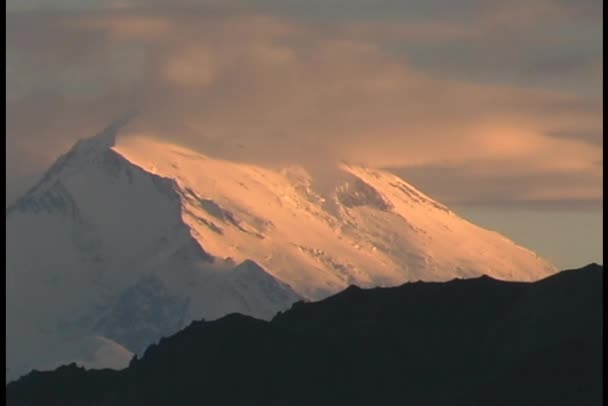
x,y
465,342
126,241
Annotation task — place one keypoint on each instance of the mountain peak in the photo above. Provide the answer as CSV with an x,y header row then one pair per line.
x,y
111,212
86,150
107,138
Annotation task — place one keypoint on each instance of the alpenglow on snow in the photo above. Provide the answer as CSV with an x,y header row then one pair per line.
x,y
127,240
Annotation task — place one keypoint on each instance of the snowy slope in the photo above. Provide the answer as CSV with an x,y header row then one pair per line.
x,y
131,239
371,229
99,248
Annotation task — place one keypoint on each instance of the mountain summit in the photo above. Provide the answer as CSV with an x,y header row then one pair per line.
x,y
128,240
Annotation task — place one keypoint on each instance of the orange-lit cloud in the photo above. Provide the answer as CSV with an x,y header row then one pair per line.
x,y
273,90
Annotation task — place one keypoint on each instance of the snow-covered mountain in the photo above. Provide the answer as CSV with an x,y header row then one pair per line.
x,y
128,240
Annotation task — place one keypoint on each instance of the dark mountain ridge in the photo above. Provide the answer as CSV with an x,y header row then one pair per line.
x,y
464,342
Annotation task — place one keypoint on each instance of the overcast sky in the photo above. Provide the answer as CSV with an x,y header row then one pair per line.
x,y
492,107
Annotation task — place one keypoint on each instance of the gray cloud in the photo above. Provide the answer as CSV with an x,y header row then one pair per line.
x,y
595,138
471,186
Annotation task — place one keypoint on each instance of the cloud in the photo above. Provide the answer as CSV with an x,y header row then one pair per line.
x,y
471,185
276,89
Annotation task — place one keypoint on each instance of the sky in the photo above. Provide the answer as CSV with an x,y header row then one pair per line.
x,y
493,108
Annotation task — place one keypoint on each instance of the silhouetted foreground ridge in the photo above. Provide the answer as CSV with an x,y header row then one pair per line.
x,y
464,342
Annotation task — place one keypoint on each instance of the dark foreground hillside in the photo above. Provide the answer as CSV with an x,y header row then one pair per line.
x,y
465,342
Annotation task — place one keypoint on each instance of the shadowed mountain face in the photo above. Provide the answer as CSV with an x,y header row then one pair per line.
x,y
463,342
